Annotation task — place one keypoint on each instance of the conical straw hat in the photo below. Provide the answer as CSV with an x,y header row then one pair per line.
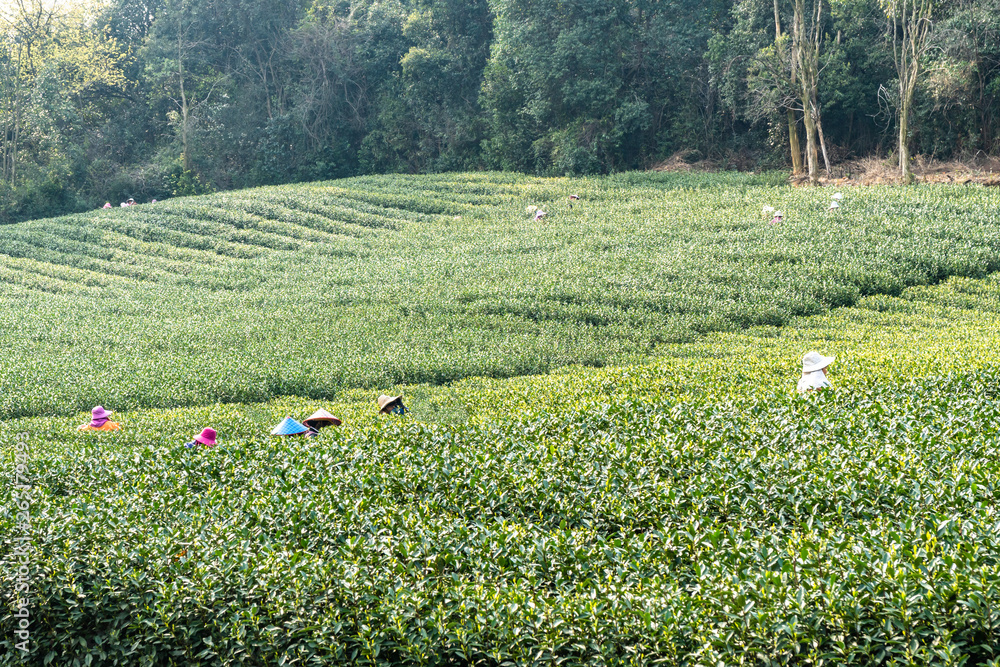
x,y
386,403
288,426
321,418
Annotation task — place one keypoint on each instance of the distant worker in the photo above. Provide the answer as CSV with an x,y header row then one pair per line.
x,y
776,219
107,204
206,437
539,215
814,367
392,404
99,421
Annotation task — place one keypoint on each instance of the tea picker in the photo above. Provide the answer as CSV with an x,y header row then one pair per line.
x,y
99,421
289,426
206,437
814,367
391,404
319,419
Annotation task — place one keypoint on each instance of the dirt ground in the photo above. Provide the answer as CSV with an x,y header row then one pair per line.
x,y
877,171
873,171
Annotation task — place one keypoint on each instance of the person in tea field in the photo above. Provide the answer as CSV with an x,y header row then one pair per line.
x,y
392,405
206,437
99,421
289,426
814,367
318,420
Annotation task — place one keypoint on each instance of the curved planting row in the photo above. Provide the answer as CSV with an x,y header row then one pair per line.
x,y
694,510
308,289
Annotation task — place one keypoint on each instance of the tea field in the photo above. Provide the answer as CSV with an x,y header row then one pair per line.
x,y
605,462
690,510
311,289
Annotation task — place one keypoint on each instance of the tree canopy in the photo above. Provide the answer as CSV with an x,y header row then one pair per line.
x,y
108,99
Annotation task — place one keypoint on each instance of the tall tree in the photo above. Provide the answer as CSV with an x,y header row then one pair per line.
x,y
27,25
970,38
56,69
179,60
908,29
807,36
793,130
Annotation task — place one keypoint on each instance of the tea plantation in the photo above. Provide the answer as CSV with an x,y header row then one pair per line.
x,y
368,282
605,462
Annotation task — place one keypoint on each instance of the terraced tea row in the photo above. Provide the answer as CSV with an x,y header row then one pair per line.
x,y
690,510
380,280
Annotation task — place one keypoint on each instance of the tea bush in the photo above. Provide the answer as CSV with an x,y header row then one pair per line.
x,y
372,281
605,462
687,510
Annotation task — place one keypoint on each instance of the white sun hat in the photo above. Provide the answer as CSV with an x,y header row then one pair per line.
x,y
814,361
834,205
838,195
778,214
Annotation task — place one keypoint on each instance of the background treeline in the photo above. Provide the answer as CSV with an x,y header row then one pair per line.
x,y
101,100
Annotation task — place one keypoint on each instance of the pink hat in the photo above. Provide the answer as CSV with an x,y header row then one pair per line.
x,y
98,416
206,437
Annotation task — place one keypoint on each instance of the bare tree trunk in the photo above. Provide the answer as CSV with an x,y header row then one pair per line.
x,y
811,155
909,28
16,131
906,174
793,129
793,143
822,139
185,153
805,50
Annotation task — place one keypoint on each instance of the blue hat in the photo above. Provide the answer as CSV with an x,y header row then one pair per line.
x,y
288,427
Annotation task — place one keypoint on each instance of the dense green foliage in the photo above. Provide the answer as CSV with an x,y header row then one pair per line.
x,y
377,281
101,100
691,510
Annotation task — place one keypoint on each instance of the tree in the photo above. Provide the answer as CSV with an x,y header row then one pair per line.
x,y
438,84
793,131
807,35
970,39
27,24
55,71
908,30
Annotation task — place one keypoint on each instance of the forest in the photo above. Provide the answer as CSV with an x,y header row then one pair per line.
x,y
102,100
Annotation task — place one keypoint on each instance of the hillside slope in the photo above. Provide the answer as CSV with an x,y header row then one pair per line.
x,y
688,510
307,289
